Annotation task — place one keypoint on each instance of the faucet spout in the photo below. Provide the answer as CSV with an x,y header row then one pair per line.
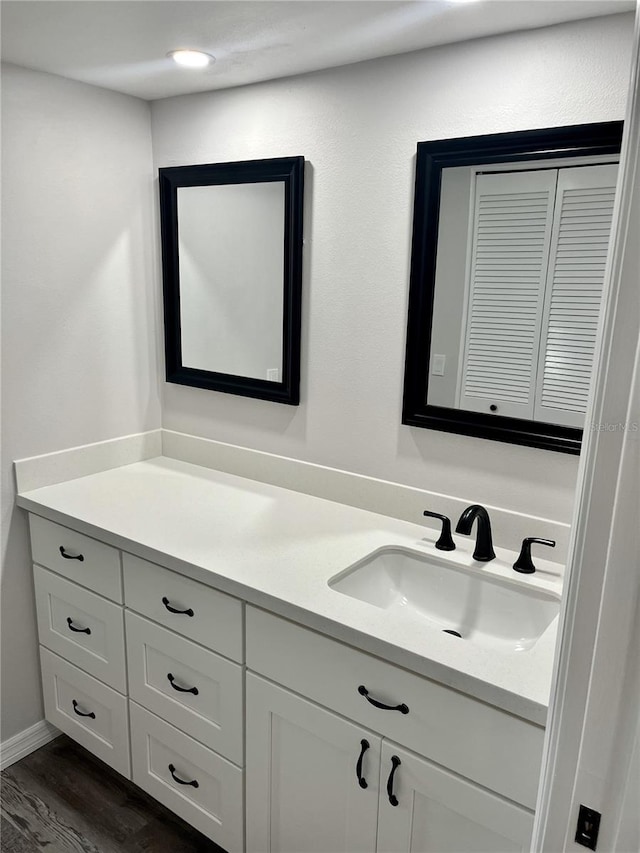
x,y
484,542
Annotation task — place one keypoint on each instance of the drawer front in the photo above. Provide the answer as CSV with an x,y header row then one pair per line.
x,y
87,710
496,749
79,558
196,690
203,614
165,761
81,626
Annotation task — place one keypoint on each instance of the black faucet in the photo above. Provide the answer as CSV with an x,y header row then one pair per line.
x,y
484,545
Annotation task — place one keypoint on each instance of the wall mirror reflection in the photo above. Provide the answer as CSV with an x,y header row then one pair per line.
x,y
510,240
232,268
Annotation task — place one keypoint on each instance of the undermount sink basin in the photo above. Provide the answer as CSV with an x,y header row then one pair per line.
x,y
481,609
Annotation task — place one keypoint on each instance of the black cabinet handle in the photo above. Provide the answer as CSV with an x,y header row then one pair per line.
x,y
364,746
362,690
194,782
524,563
445,542
81,713
187,612
193,690
71,556
72,627
395,763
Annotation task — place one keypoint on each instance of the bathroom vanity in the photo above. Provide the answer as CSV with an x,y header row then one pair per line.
x,y
190,638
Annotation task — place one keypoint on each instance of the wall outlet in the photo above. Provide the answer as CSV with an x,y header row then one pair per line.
x,y
273,374
588,826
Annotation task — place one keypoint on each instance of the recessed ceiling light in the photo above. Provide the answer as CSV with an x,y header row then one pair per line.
x,y
191,58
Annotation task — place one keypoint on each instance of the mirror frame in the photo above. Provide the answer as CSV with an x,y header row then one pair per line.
x,y
290,171
431,159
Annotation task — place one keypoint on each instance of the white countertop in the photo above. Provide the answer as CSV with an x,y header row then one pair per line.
x,y
277,549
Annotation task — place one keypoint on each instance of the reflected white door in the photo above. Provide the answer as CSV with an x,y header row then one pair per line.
x,y
439,812
303,794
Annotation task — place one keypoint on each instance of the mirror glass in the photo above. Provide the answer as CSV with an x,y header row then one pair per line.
x,y
239,292
507,273
232,251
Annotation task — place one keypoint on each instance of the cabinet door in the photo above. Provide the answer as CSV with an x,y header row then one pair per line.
x,y
302,790
438,812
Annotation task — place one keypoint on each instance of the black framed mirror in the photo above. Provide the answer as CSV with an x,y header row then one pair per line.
x,y
232,276
510,238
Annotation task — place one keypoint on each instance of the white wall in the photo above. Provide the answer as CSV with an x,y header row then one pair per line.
x,y
79,354
358,127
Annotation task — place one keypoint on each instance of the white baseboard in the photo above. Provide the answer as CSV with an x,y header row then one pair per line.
x,y
16,747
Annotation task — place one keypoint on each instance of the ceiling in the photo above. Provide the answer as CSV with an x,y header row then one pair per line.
x,y
123,44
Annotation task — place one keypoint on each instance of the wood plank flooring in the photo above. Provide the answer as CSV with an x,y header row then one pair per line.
x,y
64,800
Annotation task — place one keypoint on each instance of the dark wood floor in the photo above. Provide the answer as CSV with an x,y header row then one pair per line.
x,y
63,800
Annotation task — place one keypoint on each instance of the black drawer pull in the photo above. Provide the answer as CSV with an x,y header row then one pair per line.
x,y
362,690
194,782
71,556
187,612
81,713
72,627
193,690
395,763
364,746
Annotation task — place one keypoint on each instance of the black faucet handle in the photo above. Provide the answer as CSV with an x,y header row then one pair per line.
x,y
445,542
524,563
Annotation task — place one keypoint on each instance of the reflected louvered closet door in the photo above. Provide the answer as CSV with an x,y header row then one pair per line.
x,y
579,244
508,267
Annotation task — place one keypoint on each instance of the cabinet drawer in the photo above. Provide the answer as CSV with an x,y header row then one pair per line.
x,y
184,605
195,689
167,763
79,558
81,626
496,749
87,710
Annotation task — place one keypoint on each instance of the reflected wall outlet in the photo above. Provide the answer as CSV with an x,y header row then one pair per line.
x,y
273,374
437,365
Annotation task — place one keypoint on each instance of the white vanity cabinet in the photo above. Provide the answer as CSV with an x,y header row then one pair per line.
x,y
305,762
305,794
78,586
185,653
143,667
243,722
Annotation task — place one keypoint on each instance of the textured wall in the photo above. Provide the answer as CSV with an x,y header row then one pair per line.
x,y
79,355
358,127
